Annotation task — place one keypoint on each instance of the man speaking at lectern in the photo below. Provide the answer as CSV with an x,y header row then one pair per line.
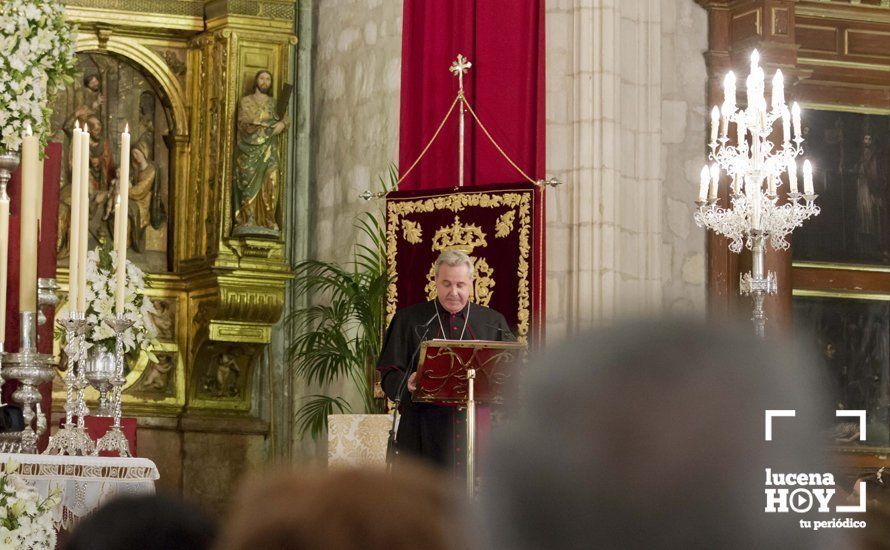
x,y
434,432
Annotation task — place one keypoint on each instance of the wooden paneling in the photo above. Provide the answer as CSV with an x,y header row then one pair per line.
x,y
867,43
745,25
816,38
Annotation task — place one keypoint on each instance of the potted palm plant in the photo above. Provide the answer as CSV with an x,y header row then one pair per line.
x,y
338,335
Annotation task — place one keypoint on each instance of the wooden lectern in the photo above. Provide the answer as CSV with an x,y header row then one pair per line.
x,y
463,374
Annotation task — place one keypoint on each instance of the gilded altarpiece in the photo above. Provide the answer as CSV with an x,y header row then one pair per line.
x,y
175,72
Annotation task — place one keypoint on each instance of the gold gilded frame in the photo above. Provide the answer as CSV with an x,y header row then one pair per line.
x,y
228,291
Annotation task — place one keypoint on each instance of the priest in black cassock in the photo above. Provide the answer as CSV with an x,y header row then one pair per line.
x,y
435,432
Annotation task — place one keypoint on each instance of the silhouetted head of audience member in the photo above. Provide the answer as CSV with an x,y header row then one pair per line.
x,y
150,522
651,434
345,509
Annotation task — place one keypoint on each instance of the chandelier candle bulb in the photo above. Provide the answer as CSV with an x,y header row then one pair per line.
x,y
120,241
4,260
792,177
795,119
741,130
715,123
715,179
807,177
786,126
778,90
771,186
28,224
729,92
703,185
83,235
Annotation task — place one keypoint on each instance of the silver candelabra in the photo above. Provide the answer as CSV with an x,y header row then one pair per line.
x,y
73,439
114,439
757,213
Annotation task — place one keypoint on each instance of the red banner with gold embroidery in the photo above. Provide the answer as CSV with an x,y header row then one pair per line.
x,y
501,227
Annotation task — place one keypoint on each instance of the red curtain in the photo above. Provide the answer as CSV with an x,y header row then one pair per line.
x,y
504,40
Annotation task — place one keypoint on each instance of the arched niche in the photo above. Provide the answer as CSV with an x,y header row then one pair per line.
x,y
122,83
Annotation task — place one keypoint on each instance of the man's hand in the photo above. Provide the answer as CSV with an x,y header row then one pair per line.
x,y
412,382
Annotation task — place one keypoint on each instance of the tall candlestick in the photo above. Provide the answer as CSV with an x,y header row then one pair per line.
x,y
28,224
807,177
83,236
703,185
120,243
4,259
39,198
74,233
792,177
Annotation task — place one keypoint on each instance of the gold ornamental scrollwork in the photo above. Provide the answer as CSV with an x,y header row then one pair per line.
x,y
521,203
412,232
504,225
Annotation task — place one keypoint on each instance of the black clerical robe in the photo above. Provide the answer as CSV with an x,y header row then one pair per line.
x,y
428,431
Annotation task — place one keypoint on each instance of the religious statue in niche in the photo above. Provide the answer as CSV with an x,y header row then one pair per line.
x,y
111,94
222,376
163,316
256,168
158,375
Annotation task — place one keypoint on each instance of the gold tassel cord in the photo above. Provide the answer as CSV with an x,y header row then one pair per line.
x,y
432,139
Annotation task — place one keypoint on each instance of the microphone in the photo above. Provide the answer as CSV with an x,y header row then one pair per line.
x,y
410,366
502,331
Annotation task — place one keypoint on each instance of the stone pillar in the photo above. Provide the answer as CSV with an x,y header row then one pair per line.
x,y
608,140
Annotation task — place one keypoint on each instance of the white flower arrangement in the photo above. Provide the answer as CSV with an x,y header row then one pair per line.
x,y
38,60
100,304
25,519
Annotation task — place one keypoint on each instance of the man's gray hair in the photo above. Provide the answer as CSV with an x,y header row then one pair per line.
x,y
455,258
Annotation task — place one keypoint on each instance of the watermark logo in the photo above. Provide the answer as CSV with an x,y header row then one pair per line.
x,y
803,492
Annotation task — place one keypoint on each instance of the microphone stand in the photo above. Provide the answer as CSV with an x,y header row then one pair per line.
x,y
391,450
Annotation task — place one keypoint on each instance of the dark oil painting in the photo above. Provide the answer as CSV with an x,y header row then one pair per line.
x,y
850,153
851,337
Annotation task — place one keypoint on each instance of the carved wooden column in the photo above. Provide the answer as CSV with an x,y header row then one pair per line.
x,y
238,293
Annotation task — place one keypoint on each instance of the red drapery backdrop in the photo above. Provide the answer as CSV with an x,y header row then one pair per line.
x,y
504,39
46,267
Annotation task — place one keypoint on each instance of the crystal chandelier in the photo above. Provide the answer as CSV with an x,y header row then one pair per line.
x,y
755,166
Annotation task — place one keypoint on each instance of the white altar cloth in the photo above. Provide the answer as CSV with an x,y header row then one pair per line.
x,y
85,482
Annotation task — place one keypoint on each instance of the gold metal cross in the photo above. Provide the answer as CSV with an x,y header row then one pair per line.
x,y
460,66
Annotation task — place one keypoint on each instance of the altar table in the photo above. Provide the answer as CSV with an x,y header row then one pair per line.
x,y
85,482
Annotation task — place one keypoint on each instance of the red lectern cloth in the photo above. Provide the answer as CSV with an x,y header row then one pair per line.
x,y
97,426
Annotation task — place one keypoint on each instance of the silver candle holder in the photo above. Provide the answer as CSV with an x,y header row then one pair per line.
x,y
72,439
31,369
114,439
